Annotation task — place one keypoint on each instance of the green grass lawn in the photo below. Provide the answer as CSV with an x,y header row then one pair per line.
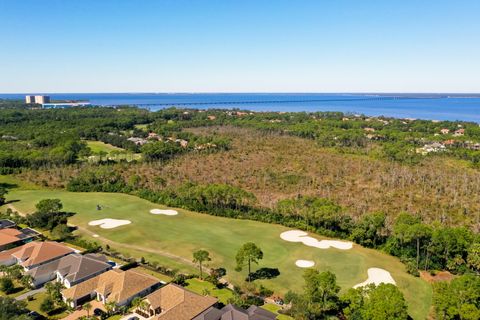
x,y
157,275
141,126
170,240
18,290
200,287
34,305
99,146
113,152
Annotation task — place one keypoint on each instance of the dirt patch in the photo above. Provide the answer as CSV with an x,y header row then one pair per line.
x,y
439,276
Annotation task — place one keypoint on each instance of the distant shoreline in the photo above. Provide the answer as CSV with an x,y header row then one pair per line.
x,y
428,106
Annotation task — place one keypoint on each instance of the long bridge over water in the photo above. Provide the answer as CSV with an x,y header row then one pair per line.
x,y
196,103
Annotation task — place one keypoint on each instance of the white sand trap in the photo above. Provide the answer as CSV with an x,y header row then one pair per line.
x,y
109,223
95,235
301,236
304,263
377,276
165,212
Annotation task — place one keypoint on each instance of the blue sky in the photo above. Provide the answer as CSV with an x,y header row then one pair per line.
x,y
239,46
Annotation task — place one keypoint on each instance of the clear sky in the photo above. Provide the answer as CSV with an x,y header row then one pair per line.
x,y
239,46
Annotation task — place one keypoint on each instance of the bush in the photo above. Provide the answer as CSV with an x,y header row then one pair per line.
x,y
47,305
6,285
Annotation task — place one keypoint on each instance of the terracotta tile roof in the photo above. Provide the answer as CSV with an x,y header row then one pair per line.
x,y
38,252
116,285
178,303
8,236
7,254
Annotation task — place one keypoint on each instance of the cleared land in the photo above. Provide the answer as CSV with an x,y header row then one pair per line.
x,y
103,151
172,239
99,146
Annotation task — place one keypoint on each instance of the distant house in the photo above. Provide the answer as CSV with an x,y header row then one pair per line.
x,y
449,142
117,286
444,131
138,141
369,129
459,132
432,147
153,136
11,237
173,302
34,254
70,270
231,312
211,117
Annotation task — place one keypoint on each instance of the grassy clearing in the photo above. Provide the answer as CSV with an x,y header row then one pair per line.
x,y
12,182
141,127
18,290
155,274
99,146
34,305
170,240
103,151
202,287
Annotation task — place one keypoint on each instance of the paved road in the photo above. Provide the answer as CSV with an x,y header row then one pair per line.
x,y
30,293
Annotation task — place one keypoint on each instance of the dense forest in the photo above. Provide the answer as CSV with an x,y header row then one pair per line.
x,y
407,187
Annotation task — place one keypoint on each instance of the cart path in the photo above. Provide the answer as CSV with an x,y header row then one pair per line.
x,y
125,245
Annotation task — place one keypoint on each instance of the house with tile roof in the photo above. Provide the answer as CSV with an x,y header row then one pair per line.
x,y
70,270
11,237
232,312
117,286
34,254
173,302
5,223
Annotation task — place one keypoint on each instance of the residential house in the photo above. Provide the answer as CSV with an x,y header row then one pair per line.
x,y
138,141
117,286
444,131
231,312
173,302
432,147
459,132
34,254
4,223
70,270
11,237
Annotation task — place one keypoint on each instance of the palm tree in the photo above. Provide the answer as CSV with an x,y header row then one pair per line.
x,y
27,281
199,257
136,302
110,307
87,307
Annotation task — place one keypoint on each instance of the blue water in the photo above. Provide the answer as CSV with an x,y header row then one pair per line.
x,y
433,107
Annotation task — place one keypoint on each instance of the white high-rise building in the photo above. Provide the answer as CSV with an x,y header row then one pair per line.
x,y
37,99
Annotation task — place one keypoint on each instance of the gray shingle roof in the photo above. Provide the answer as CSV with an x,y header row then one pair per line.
x,y
73,267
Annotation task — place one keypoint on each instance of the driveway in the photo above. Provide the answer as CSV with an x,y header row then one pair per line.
x,y
80,313
30,293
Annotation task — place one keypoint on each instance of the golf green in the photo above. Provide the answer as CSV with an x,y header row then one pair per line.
x,y
172,239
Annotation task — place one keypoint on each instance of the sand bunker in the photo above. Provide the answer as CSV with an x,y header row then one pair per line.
x,y
109,223
376,276
165,212
302,236
95,235
304,263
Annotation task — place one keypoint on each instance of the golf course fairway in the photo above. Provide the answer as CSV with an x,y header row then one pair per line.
x,y
171,239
